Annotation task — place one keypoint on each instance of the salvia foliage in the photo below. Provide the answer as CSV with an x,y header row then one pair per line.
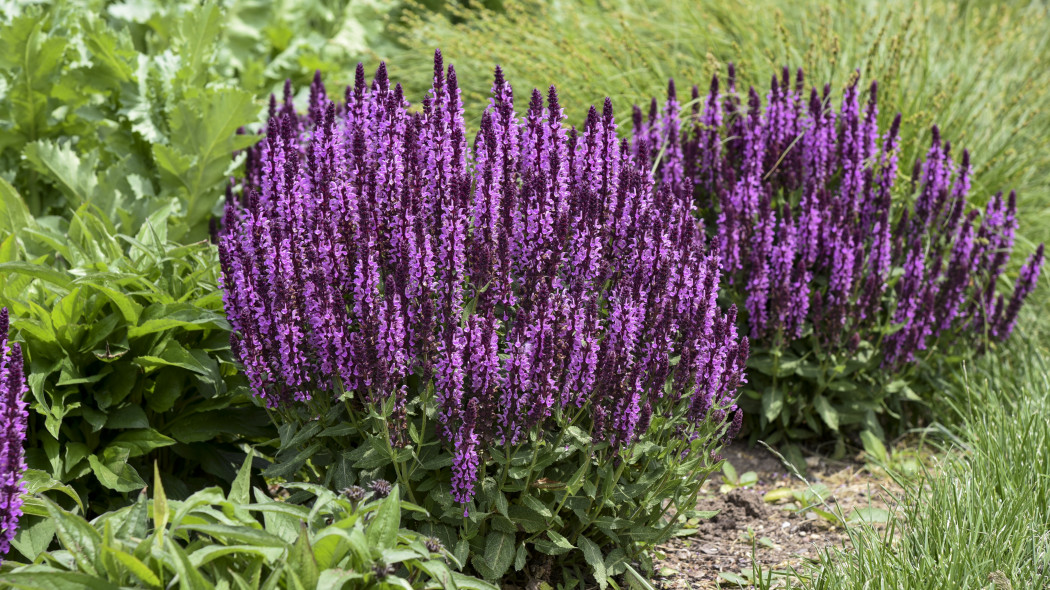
x,y
521,330
850,275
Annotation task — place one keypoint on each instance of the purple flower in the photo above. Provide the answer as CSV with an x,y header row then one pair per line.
x,y
535,270
13,418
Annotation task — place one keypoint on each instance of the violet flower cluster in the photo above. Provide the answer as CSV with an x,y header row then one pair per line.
x,y
13,418
531,271
810,237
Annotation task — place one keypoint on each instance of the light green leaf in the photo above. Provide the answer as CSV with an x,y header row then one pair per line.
x,y
827,412
301,559
140,442
772,403
134,565
74,176
160,507
14,215
77,536
383,528
54,579
874,447
239,490
38,482
113,471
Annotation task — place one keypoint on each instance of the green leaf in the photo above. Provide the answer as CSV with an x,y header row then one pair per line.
x,y
173,355
519,557
37,271
34,539
772,403
593,554
383,528
827,412
538,506
874,447
38,482
63,166
14,215
471,583
209,553
113,471
527,518
499,553
869,515
140,442
239,490
53,579
559,540
160,507
129,310
549,547
301,559
77,536
189,577
237,534
778,495
134,565
128,417
136,519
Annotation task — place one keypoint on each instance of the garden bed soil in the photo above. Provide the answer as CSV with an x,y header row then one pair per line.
x,y
778,534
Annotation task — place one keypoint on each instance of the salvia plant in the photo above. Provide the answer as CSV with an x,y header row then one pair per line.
x,y
520,330
12,433
849,274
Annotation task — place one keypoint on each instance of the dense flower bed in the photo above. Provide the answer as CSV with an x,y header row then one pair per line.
x,y
830,254
531,284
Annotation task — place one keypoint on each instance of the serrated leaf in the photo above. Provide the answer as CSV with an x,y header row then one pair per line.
x,y
593,555
499,552
74,176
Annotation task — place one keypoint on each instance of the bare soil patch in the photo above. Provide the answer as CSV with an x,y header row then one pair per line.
x,y
778,529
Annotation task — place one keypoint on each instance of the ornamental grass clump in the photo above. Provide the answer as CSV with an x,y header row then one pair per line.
x,y
520,329
13,418
850,277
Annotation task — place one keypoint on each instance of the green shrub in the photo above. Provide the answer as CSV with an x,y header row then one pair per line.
x,y
128,105
127,353
243,539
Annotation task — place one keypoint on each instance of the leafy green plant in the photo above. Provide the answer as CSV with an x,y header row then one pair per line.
x,y
731,480
127,353
243,539
86,117
127,105
559,499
